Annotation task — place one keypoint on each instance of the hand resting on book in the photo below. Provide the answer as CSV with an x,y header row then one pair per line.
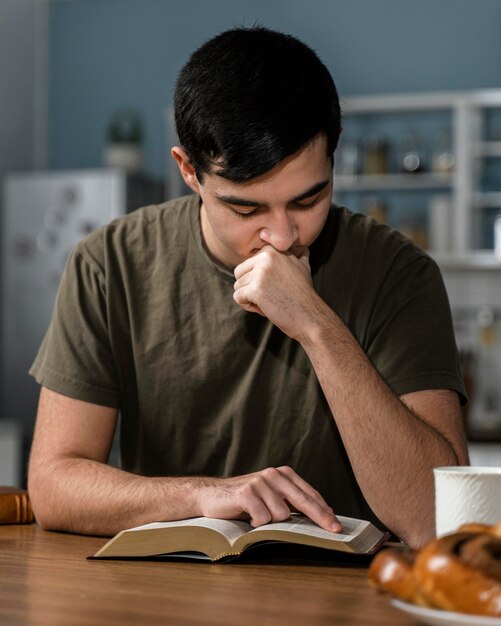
x,y
108,499
269,495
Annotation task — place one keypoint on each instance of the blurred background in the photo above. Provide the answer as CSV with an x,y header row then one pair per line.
x,y
86,89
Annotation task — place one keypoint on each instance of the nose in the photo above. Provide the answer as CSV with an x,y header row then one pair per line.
x,y
281,232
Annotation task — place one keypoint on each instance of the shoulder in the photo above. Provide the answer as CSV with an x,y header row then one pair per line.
x,y
357,263
378,245
138,234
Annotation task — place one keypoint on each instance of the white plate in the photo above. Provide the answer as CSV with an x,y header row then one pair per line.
x,y
435,617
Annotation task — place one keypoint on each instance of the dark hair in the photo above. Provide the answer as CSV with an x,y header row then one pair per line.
x,y
250,97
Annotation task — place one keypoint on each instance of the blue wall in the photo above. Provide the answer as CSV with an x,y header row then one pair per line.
x,y
111,54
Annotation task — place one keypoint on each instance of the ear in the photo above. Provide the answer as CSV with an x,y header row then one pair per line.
x,y
185,167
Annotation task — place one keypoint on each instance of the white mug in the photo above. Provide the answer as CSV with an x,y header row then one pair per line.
x,y
466,495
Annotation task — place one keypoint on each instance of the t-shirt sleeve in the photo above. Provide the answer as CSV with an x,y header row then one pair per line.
x,y
75,358
412,341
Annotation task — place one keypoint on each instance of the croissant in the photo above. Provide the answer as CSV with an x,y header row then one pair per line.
x,y
458,572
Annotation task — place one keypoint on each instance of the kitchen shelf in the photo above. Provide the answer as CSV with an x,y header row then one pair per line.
x,y
370,182
461,188
487,200
487,149
477,260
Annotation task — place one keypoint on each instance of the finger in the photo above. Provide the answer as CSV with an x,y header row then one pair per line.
x,y
305,499
243,281
244,297
246,305
252,308
258,514
304,503
249,264
244,267
304,258
254,500
272,498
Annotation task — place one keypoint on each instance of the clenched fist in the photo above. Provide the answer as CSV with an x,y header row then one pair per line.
x,y
278,285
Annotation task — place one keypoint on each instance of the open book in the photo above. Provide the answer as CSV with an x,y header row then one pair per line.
x,y
214,539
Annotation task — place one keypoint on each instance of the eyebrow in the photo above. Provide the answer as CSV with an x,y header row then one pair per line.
x,y
317,188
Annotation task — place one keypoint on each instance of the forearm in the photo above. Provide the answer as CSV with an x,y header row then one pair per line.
x,y
391,449
85,496
72,488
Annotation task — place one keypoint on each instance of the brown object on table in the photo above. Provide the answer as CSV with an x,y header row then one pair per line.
x,y
393,573
46,580
15,507
458,572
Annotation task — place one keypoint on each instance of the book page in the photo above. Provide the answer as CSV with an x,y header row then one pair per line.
x,y
304,526
231,529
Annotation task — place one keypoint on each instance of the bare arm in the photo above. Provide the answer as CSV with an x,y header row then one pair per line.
x,y
73,489
393,443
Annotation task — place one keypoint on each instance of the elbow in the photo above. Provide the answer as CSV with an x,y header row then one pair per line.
x,y
43,498
37,498
416,531
417,538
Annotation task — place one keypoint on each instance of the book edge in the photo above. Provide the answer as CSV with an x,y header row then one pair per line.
x,y
349,544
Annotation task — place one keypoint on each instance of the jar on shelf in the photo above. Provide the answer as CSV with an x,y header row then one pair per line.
x,y
442,160
376,156
347,159
410,159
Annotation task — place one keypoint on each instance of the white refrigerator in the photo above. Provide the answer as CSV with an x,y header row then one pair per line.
x,y
44,214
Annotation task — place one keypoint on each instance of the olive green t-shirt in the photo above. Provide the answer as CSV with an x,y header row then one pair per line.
x,y
145,321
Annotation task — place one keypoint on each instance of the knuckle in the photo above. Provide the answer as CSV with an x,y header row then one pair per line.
x,y
267,258
261,518
270,473
256,481
281,513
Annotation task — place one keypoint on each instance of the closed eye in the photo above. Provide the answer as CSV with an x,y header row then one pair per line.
x,y
244,214
306,205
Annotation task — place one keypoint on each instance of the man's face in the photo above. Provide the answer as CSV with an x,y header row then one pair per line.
x,y
285,208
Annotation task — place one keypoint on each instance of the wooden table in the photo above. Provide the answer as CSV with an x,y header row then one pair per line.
x,y
45,579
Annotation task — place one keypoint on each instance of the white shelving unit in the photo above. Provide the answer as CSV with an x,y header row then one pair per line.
x,y
372,182
462,184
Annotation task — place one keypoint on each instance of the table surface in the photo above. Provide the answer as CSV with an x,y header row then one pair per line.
x,y
45,579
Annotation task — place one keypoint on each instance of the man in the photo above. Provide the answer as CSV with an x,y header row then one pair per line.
x,y
267,351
